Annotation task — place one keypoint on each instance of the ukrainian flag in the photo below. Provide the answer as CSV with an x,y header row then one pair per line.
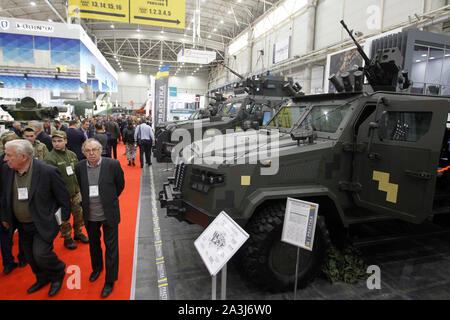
x,y
163,72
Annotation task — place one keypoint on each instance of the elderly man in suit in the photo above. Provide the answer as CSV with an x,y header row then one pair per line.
x,y
101,182
32,192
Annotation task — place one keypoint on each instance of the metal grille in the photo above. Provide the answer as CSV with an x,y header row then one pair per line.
x,y
179,176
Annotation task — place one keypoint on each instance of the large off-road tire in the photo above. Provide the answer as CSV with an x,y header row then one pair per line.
x,y
270,263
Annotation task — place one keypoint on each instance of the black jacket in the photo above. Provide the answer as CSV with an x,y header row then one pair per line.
x,y
110,185
47,193
45,139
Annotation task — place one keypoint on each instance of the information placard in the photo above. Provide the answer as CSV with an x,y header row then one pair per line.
x,y
219,242
111,10
300,223
163,13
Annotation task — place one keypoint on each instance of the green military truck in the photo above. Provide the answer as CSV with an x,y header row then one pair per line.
x,y
364,156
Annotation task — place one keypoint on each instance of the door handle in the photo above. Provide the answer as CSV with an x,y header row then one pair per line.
x,y
418,174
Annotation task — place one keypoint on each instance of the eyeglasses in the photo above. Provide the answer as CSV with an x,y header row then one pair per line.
x,y
91,150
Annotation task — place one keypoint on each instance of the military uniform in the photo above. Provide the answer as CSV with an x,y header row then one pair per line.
x,y
40,150
65,161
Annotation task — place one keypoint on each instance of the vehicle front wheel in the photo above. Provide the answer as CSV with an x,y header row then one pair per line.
x,y
269,262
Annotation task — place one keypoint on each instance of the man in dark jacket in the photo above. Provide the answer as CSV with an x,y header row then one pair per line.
x,y
75,139
41,135
35,200
101,182
112,127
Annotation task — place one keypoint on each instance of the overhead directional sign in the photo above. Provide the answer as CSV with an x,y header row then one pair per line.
x,y
111,10
163,13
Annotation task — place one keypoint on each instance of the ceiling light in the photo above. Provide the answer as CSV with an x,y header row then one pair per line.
x,y
447,55
138,30
221,21
215,29
424,55
50,20
162,31
112,26
432,58
209,37
33,3
230,12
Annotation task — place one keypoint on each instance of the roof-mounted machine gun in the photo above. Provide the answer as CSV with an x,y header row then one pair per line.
x,y
265,85
384,72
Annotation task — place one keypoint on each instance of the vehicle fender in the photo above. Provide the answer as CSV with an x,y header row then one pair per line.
x,y
261,195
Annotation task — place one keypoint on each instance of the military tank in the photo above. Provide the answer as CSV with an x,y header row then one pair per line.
x,y
28,109
366,154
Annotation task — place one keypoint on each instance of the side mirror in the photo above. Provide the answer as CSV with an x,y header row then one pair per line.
x,y
246,125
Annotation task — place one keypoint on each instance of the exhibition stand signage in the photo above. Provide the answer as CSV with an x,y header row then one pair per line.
x,y
217,245
299,227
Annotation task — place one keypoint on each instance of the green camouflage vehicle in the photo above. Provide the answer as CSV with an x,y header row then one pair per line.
x,y
257,101
364,156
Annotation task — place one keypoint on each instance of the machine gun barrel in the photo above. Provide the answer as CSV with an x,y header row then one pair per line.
x,y
232,71
358,46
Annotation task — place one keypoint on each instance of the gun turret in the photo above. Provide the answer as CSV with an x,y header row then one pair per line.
x,y
382,72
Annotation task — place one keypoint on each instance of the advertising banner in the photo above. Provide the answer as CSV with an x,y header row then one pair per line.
x,y
161,95
196,56
281,50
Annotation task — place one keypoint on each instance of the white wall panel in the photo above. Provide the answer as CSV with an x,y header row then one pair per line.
x,y
299,36
398,11
328,28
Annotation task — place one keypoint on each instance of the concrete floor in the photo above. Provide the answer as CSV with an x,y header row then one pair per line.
x,y
415,269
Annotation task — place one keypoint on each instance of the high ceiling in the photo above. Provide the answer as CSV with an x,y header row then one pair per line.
x,y
127,44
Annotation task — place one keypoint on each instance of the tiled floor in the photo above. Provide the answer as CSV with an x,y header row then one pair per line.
x,y
417,269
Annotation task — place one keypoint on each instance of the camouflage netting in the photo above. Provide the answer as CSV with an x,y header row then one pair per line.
x,y
344,265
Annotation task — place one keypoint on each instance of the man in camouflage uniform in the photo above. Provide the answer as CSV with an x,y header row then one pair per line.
x,y
40,149
65,160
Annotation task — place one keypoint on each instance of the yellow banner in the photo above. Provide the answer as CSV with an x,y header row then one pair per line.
x,y
111,10
163,13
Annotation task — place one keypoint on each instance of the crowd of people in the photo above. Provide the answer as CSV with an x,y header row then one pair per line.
x,y
49,170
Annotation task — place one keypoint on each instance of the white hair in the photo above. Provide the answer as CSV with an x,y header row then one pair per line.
x,y
22,147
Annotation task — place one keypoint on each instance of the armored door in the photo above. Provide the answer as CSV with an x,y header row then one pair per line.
x,y
396,168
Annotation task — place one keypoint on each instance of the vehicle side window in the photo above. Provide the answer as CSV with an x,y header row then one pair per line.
x,y
407,126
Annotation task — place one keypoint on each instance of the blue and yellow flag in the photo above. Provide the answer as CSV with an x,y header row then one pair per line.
x,y
163,72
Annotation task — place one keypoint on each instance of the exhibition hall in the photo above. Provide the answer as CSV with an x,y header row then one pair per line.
x,y
251,152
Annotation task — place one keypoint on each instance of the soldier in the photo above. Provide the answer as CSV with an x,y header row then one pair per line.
x,y
65,161
40,150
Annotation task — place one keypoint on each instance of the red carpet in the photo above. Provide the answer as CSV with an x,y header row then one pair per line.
x,y
14,286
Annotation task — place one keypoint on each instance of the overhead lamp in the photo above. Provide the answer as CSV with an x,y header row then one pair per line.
x,y
215,29
32,3
221,21
209,37
112,26
50,20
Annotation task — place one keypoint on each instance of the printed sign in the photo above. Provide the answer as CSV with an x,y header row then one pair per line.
x,y
300,223
219,242
163,13
111,10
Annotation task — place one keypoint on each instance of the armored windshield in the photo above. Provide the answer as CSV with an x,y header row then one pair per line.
x,y
231,109
325,118
287,117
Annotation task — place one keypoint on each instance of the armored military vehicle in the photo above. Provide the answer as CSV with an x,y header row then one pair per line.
x,y
28,109
365,156
256,100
